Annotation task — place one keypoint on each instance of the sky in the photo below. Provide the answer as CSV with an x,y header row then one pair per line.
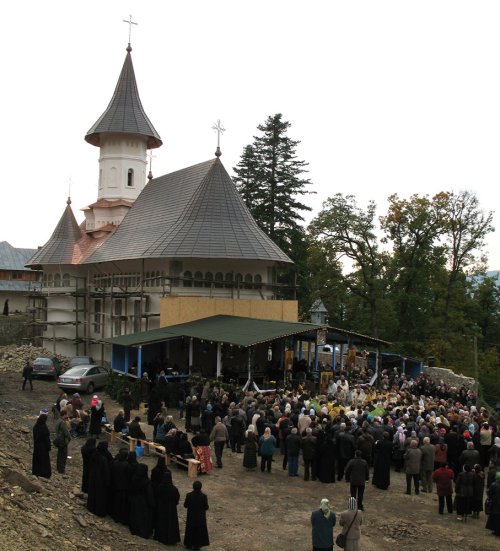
x,y
385,96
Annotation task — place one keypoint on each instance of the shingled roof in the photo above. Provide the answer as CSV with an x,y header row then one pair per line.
x,y
60,247
125,114
196,212
12,258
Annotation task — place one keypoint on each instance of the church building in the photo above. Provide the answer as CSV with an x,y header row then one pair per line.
x,y
151,251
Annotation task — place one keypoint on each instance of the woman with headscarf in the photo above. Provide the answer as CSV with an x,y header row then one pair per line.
x,y
477,491
96,415
196,503
399,447
250,451
322,522
202,451
88,450
493,522
166,520
267,445
351,521
41,447
141,502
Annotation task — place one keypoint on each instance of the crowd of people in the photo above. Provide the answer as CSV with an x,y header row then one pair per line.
x,y
432,432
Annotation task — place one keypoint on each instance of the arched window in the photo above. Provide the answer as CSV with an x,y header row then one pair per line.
x,y
188,279
257,281
209,277
66,280
50,280
147,283
130,177
248,281
238,279
218,280
57,280
198,279
45,280
229,280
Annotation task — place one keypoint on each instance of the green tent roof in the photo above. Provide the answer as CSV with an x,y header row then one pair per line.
x,y
234,330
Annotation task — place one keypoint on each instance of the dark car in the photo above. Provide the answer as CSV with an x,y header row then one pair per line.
x,y
48,366
81,360
84,378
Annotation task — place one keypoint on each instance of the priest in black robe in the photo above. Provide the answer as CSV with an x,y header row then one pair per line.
x,y
196,503
382,462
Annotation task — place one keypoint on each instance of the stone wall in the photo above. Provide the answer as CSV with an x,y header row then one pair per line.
x,y
449,377
13,329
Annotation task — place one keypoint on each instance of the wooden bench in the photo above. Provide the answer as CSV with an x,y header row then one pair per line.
x,y
192,465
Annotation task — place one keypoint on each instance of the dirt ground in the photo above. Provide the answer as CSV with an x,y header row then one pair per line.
x,y
249,511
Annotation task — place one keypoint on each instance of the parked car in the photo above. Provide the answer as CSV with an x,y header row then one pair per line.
x,y
81,360
47,367
84,378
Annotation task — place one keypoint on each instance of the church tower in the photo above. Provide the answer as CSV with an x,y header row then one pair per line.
x,y
123,134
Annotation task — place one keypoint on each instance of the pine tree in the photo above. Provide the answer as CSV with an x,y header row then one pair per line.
x,y
269,178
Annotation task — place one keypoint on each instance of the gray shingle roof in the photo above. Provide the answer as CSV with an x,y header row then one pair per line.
x,y
125,113
12,258
196,212
59,248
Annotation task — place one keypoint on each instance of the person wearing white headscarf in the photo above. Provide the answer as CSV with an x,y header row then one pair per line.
x,y
351,521
322,522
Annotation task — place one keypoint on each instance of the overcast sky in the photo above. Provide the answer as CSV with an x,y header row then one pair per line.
x,y
385,96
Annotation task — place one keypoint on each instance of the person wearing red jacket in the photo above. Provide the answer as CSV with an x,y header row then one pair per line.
x,y
443,477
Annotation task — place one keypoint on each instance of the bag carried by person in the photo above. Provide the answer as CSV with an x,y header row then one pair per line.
x,y
59,441
341,538
487,506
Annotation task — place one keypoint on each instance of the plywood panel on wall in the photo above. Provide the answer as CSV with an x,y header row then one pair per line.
x,y
174,310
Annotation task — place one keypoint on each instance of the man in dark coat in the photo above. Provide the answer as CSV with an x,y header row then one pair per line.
x,y
127,401
99,481
357,473
28,374
345,449
119,423
41,448
237,431
196,503
292,444
167,522
308,445
134,429
63,434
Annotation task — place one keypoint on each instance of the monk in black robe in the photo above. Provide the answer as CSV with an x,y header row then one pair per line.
x,y
167,521
157,473
326,460
141,501
99,481
88,450
120,486
41,448
382,462
196,503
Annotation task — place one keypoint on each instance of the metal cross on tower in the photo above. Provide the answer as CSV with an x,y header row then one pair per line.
x,y
130,23
217,127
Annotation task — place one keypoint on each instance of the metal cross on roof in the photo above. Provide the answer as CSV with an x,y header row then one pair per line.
x,y
217,127
130,23
151,157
